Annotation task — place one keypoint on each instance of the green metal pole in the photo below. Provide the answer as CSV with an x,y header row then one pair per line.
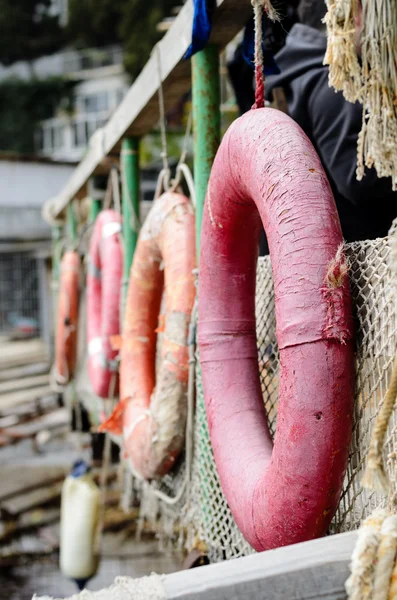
x,y
95,209
71,223
130,199
206,123
206,126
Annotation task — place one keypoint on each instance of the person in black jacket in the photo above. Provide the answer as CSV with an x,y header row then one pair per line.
x,y
367,207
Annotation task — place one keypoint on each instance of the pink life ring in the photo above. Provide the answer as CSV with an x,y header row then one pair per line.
x,y
266,170
103,302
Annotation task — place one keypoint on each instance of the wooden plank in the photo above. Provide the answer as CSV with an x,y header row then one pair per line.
x,y
24,371
31,408
28,500
52,420
311,571
25,383
19,353
138,112
13,399
18,479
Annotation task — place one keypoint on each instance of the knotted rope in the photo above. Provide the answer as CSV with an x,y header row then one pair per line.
x,y
260,6
373,566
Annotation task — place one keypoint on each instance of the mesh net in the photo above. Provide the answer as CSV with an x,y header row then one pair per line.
x,y
372,289
202,513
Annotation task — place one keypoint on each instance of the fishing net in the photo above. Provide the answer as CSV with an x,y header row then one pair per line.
x,y
199,512
124,588
372,289
370,79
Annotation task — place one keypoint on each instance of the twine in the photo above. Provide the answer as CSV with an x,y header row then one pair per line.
x,y
372,82
373,566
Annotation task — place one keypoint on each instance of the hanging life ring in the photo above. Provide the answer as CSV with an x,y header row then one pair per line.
x,y
67,318
152,414
103,302
267,172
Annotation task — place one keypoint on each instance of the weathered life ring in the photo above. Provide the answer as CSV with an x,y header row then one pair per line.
x,y
67,318
103,302
267,171
152,414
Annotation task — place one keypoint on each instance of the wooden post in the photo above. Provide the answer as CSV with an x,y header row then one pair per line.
x,y
206,123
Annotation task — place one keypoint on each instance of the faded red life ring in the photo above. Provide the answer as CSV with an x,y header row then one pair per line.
x,y
267,171
152,413
103,302
67,318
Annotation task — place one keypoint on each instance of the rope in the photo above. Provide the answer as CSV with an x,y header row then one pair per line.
x,y
113,191
373,566
375,477
47,215
104,473
260,6
182,168
164,152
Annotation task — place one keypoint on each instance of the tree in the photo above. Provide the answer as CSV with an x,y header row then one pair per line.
x,y
131,23
24,104
28,30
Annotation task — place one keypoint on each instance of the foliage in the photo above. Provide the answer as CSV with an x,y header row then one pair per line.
x,y
28,30
23,104
131,23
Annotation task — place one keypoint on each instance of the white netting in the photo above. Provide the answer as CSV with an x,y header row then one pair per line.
x,y
124,588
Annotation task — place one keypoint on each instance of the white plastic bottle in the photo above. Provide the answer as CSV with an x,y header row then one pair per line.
x,y
80,504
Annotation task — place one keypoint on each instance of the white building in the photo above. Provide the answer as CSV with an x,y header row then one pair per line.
x,y
102,86
25,246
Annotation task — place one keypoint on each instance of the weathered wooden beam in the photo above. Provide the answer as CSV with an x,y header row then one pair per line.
x,y
313,570
25,501
138,112
19,479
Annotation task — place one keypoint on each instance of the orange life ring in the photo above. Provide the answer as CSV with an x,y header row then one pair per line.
x,y
103,302
68,309
152,414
